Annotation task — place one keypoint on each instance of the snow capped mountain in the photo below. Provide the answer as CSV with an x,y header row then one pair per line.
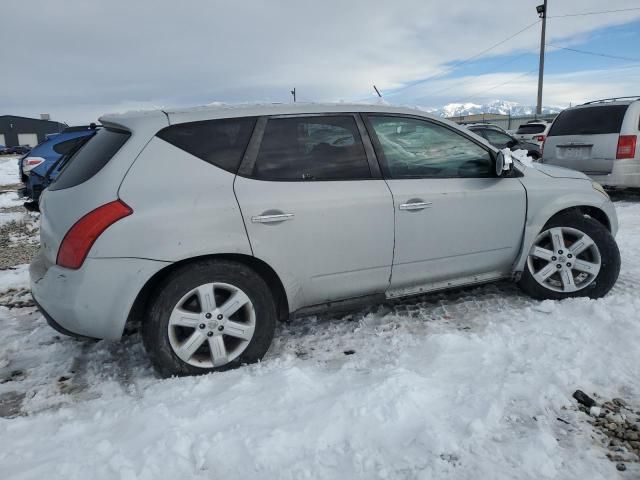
x,y
503,107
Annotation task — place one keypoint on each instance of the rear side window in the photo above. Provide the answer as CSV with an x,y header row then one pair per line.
x,y
90,159
530,129
589,121
312,148
65,147
219,142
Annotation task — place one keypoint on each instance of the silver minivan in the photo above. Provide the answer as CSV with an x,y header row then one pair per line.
x,y
600,139
207,225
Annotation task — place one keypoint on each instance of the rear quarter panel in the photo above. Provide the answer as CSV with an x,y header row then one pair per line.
x,y
183,207
60,209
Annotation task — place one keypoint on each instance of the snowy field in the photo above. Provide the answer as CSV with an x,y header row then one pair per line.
x,y
9,170
473,384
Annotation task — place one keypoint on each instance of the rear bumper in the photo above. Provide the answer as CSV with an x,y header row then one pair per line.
x,y
93,301
624,174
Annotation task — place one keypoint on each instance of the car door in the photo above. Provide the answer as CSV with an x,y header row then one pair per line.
x,y
456,222
316,207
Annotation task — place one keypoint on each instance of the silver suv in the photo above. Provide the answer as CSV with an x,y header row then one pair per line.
x,y
534,131
600,139
207,225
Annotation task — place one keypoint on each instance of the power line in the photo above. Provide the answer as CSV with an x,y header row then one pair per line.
x,y
594,13
474,95
511,60
465,61
586,52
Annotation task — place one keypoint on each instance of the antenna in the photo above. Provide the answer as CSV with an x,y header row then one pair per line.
x,y
293,92
377,91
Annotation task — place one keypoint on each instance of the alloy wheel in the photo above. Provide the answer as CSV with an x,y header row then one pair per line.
x,y
564,259
211,325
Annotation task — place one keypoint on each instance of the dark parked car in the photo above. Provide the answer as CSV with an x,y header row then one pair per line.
x,y
17,150
500,139
44,162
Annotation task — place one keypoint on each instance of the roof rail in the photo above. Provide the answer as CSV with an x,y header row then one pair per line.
x,y
615,99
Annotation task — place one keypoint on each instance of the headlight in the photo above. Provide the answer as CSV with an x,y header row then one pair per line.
x,y
596,186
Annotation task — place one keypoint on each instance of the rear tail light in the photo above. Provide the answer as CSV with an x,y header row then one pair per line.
x,y
539,138
79,239
626,147
29,163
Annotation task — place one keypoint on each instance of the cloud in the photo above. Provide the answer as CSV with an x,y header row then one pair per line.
x,y
78,59
560,90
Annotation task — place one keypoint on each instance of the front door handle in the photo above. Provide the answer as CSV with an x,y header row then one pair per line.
x,y
280,217
415,205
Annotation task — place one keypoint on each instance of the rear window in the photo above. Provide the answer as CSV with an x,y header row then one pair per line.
x,y
90,159
65,147
219,142
589,121
531,129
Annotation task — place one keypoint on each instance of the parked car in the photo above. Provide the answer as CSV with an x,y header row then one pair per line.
x,y
598,138
208,225
485,125
534,131
21,149
501,139
15,150
42,165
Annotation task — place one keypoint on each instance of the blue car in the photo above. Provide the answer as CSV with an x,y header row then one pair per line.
x,y
42,164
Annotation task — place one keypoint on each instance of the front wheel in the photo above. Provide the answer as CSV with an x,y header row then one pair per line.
x,y
573,256
209,316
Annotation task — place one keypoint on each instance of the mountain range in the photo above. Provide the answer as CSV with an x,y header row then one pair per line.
x,y
503,107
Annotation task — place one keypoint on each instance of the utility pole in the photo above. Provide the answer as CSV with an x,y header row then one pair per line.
x,y
542,13
293,92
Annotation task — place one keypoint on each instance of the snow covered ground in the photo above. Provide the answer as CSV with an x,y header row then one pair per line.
x,y
9,170
467,385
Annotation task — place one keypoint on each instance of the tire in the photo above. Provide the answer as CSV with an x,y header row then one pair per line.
x,y
603,250
534,155
166,328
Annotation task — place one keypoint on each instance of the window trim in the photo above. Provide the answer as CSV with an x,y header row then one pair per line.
x,y
251,155
383,161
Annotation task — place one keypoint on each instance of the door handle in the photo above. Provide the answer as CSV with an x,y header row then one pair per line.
x,y
280,217
415,205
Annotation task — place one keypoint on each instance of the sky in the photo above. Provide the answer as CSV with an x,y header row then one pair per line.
x,y
78,59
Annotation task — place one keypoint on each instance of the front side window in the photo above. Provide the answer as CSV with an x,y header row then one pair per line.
x,y
312,148
496,138
418,148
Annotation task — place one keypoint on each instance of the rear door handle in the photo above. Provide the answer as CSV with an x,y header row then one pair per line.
x,y
280,217
415,205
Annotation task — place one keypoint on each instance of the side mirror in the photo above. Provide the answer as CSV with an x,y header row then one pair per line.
x,y
504,162
511,143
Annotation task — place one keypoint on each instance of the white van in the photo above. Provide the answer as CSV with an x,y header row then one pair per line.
x,y
600,139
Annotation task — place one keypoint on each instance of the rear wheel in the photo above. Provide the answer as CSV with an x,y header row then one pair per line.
x,y
209,316
573,256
